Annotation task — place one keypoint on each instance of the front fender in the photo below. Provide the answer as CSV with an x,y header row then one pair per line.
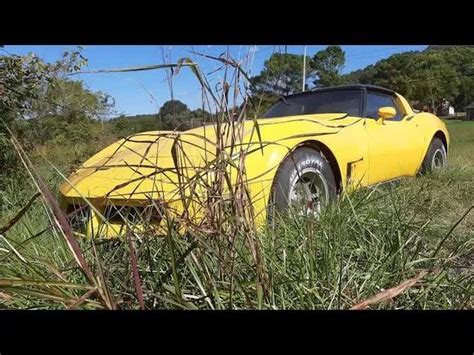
x,y
431,126
343,136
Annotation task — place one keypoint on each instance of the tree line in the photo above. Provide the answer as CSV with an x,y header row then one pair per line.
x,y
173,115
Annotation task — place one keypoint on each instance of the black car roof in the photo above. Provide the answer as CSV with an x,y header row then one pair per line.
x,y
344,87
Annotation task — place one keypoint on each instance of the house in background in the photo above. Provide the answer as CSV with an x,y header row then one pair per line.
x,y
422,106
445,109
470,111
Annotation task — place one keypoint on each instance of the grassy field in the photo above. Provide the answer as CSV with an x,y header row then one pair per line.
x,y
417,229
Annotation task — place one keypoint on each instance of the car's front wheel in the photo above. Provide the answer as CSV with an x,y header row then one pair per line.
x,y
436,157
304,182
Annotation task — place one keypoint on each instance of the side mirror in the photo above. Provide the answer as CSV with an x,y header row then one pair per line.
x,y
386,113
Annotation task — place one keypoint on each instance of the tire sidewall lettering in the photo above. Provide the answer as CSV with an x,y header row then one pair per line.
x,y
309,162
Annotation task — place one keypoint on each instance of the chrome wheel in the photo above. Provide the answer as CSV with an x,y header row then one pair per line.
x,y
439,159
309,192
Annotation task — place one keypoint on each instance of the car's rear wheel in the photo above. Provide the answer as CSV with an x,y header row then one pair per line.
x,y
436,157
304,183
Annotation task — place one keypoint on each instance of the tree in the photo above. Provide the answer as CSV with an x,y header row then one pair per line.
x,y
327,65
201,114
282,74
427,76
172,107
25,81
127,125
173,114
72,101
69,114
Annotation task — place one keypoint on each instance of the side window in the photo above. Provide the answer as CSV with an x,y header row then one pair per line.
x,y
377,100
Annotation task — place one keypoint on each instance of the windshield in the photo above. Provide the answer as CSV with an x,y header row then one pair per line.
x,y
333,101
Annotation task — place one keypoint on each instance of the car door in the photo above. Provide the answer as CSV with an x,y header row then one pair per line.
x,y
393,143
351,142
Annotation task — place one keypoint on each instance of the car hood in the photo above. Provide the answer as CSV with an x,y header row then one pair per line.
x,y
154,164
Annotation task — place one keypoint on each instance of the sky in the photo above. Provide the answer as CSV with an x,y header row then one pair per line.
x,y
144,92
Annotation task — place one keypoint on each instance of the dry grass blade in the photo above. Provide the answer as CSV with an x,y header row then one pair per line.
x,y
4,296
22,282
38,294
59,216
132,69
13,249
136,275
20,214
390,293
83,298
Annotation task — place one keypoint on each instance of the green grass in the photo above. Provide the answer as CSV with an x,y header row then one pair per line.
x,y
366,243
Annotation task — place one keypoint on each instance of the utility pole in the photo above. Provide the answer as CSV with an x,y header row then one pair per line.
x,y
304,69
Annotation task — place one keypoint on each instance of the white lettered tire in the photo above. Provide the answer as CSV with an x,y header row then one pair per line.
x,y
304,181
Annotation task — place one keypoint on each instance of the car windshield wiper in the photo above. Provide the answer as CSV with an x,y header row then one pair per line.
x,y
285,101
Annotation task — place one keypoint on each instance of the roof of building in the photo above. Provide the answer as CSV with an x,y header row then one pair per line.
x,y
471,105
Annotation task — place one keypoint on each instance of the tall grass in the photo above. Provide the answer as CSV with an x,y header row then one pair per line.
x,y
364,244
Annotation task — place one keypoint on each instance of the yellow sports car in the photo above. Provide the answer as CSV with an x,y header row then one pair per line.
x,y
303,151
